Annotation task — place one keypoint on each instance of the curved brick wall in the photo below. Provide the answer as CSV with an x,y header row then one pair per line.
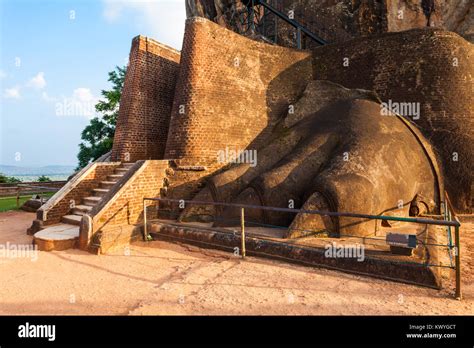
x,y
230,91
145,106
418,66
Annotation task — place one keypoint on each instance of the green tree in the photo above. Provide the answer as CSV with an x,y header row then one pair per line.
x,y
98,135
43,178
4,179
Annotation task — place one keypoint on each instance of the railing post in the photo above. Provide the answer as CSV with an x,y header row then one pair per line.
x,y
298,37
18,196
145,228
252,17
458,264
242,228
292,22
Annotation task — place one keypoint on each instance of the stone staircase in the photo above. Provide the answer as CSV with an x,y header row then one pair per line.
x,y
76,213
55,238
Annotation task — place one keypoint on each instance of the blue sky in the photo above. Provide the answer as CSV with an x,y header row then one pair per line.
x,y
54,60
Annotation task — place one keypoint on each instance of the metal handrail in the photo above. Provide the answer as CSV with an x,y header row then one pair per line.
x,y
249,21
300,28
318,212
455,223
451,214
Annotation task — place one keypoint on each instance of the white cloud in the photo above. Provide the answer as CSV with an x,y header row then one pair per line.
x,y
47,98
37,81
83,94
162,20
112,10
12,93
81,103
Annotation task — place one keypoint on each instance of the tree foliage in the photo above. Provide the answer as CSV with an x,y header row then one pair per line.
x,y
4,179
97,137
43,178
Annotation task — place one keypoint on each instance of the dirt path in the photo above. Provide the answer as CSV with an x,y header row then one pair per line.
x,y
166,278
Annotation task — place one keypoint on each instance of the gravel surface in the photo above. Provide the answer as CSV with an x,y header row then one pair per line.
x,y
166,278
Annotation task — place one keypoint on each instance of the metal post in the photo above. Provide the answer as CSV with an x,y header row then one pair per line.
x,y
145,229
458,264
242,227
292,22
298,37
18,196
276,28
252,17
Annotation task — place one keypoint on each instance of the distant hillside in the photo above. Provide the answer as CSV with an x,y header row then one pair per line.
x,y
34,171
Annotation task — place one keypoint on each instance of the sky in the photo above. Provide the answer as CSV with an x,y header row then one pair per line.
x,y
54,60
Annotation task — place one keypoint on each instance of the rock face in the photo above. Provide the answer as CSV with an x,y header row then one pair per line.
x,y
452,15
338,20
458,16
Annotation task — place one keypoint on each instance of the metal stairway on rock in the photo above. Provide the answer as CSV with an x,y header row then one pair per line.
x,y
260,17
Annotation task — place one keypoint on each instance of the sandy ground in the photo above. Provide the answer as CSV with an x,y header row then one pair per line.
x,y
166,278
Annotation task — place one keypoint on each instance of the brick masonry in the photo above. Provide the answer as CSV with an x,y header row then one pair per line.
x,y
126,206
230,92
428,66
142,125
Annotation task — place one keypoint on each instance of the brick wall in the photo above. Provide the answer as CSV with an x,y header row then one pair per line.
x,y
230,92
147,97
418,66
59,205
182,182
126,206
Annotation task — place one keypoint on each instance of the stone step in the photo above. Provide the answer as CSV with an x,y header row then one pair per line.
x,y
127,164
72,219
99,192
91,200
121,170
113,177
107,184
57,237
81,209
